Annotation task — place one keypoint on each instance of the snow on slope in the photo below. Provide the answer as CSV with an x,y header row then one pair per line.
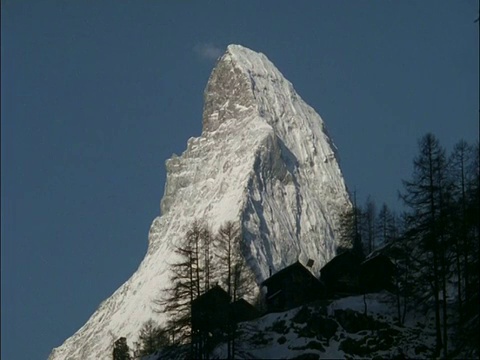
x,y
265,160
328,329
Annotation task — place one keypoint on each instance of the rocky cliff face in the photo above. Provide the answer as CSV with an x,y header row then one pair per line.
x,y
264,160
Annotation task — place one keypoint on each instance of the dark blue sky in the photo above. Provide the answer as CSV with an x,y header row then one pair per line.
x,y
97,95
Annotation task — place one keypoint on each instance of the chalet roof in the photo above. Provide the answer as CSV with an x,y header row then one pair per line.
x,y
347,256
242,305
285,271
242,310
214,292
377,258
381,250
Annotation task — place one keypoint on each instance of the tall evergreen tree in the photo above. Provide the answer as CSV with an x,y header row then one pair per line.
x,y
385,226
349,232
151,338
397,248
458,176
424,195
346,230
121,351
187,283
237,277
208,265
471,326
369,224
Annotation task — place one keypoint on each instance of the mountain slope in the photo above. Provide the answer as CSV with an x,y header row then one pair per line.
x,y
328,329
265,160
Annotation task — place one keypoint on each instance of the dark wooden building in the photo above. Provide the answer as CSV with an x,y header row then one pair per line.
x,y
241,310
376,274
341,275
214,318
211,311
348,274
292,286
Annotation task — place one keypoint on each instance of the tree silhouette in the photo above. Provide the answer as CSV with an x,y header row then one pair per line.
x,y
121,351
424,195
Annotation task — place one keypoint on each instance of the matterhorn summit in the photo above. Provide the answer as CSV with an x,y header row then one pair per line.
x,y
265,161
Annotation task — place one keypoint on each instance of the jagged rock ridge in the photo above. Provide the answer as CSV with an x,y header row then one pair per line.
x,y
264,159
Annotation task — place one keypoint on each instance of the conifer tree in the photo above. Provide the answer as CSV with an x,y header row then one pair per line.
x,y
237,277
349,233
385,225
471,320
458,169
185,286
121,351
424,195
346,231
208,265
369,224
232,262
151,338
191,274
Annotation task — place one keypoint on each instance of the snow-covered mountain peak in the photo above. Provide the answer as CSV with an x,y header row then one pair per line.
x,y
242,82
265,161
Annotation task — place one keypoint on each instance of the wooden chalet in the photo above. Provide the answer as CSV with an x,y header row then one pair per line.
x,y
376,274
242,310
214,311
292,286
341,275
211,311
348,274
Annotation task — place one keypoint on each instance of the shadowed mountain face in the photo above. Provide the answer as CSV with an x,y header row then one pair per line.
x,y
264,161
